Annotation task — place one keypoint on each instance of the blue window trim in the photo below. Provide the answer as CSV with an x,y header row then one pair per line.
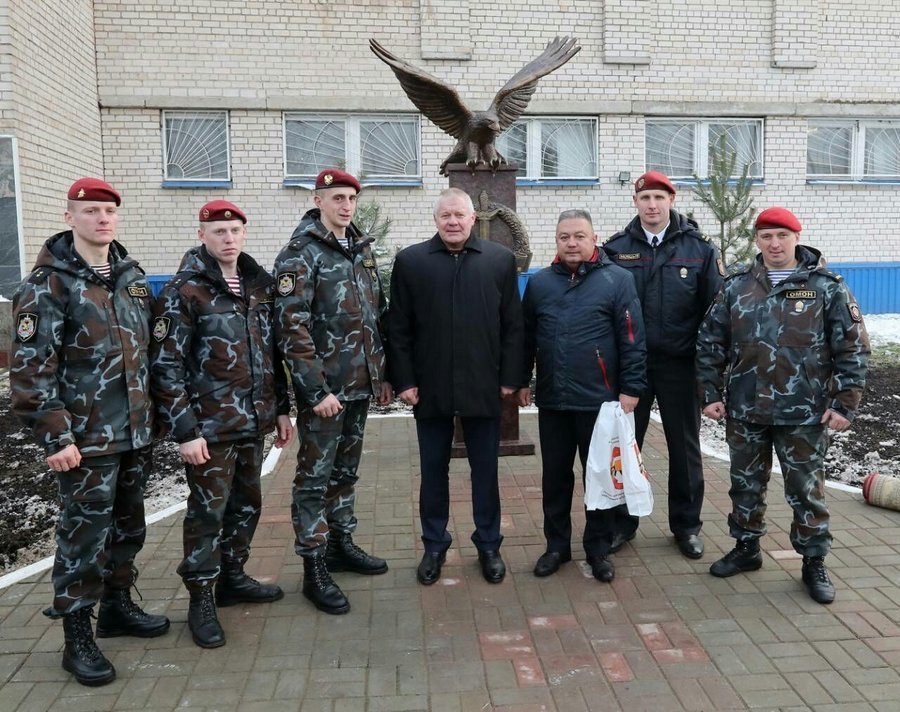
x,y
851,181
380,183
541,182
226,184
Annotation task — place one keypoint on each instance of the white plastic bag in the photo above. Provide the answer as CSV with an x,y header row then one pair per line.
x,y
615,472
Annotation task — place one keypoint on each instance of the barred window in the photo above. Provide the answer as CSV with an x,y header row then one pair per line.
x,y
552,148
376,148
681,148
848,150
195,146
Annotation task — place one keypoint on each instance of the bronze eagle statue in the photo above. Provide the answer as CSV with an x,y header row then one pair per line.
x,y
476,131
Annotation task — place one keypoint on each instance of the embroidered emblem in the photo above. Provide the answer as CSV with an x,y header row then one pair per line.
x,y
800,294
683,272
81,193
26,327
286,282
855,313
136,291
630,256
328,179
161,327
798,306
369,263
205,213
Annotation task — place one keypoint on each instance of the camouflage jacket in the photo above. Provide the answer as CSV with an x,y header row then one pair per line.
x,y
79,370
676,282
329,312
791,351
215,370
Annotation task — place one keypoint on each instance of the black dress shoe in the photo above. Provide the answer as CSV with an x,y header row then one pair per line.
x,y
429,569
549,563
492,567
691,545
602,568
620,540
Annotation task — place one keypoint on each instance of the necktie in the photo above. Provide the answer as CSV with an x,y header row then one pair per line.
x,y
655,242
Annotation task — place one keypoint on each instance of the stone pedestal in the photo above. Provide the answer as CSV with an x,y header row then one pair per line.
x,y
497,190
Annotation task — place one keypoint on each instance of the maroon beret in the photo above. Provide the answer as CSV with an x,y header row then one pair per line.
x,y
336,178
777,217
221,210
95,190
654,180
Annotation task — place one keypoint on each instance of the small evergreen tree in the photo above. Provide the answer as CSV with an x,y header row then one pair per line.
x,y
371,220
730,201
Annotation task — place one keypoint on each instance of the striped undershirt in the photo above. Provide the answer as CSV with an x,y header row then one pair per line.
x,y
777,276
234,284
104,270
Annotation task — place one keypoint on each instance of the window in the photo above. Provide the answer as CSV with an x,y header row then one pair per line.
x,y
681,148
11,267
551,148
376,148
195,148
853,150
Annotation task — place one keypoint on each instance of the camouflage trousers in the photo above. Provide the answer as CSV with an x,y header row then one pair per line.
x,y
801,452
327,464
223,510
101,527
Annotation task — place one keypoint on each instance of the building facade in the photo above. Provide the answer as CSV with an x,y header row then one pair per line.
x,y
176,103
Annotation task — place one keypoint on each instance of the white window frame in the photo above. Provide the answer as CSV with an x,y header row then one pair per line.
x,y
352,146
857,161
534,151
701,143
194,182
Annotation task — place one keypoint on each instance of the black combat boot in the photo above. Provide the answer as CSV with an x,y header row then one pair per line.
x,y
202,619
119,615
81,656
234,586
815,576
343,555
319,587
745,556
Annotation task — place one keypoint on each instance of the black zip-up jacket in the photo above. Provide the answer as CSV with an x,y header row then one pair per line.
x,y
676,282
585,331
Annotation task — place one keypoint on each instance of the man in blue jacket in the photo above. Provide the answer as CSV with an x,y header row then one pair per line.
x,y
584,328
677,274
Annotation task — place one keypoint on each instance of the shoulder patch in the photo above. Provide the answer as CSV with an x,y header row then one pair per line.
x,y
26,326
161,327
138,291
285,283
855,313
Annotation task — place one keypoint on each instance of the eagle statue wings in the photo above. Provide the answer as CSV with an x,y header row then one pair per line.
x,y
476,131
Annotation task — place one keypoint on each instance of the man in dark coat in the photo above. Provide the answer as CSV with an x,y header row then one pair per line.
x,y
455,349
583,324
677,274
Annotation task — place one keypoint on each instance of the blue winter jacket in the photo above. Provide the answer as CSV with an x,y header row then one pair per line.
x,y
586,333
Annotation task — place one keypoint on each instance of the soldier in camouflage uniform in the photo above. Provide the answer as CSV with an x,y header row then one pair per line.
x,y
80,380
793,342
219,388
329,308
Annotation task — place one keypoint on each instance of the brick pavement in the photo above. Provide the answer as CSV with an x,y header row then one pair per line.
x,y
664,636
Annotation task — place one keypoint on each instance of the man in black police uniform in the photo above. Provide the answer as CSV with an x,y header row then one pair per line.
x,y
677,273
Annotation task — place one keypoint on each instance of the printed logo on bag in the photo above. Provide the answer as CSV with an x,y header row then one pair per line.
x,y
615,469
161,327
286,282
26,326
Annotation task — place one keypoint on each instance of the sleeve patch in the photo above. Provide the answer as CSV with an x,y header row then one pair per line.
x,y
286,282
26,326
138,291
855,313
161,327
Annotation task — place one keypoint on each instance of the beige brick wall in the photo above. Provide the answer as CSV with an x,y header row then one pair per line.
x,y
258,57
52,108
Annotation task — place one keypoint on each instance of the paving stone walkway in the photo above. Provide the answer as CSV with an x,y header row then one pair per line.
x,y
665,635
